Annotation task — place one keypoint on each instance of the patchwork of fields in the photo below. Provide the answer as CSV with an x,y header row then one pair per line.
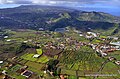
x,y
52,54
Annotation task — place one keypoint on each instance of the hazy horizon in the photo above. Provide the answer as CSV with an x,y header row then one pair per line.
x,y
107,6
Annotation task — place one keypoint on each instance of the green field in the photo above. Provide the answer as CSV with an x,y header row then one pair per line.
x,y
12,72
15,68
72,77
39,51
111,68
73,62
68,72
29,57
35,65
43,59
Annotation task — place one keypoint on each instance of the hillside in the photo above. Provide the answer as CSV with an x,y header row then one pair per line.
x,y
48,42
51,17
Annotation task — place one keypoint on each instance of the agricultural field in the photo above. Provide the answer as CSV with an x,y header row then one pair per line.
x,y
13,72
39,51
29,57
67,54
59,41
35,65
43,59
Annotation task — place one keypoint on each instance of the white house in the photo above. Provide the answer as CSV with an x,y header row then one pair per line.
x,y
36,56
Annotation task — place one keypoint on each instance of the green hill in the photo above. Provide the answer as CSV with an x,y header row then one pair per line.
x,y
52,17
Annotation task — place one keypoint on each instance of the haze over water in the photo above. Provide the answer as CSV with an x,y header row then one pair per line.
x,y
111,10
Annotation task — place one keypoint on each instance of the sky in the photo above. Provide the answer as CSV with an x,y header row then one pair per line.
x,y
110,6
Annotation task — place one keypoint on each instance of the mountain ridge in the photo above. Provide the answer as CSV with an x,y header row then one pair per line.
x,y
51,17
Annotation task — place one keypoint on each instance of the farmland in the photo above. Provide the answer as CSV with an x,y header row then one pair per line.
x,y
49,54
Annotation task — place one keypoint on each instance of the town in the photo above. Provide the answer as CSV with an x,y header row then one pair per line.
x,y
66,53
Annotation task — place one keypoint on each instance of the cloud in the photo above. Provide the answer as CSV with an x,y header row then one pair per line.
x,y
15,2
2,1
22,2
64,2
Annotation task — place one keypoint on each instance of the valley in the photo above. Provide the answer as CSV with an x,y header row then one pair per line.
x,y
50,42
71,54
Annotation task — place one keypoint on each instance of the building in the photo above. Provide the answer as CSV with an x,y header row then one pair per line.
x,y
1,62
115,43
117,62
61,30
36,56
27,73
111,37
111,58
41,29
93,34
5,36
